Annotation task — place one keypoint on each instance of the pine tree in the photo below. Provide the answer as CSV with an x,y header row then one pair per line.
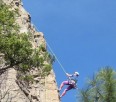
x,y
101,88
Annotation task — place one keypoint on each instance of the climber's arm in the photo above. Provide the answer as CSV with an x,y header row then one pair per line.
x,y
69,75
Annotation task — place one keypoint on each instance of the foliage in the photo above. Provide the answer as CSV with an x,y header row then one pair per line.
x,y
17,48
43,61
28,78
46,69
1,2
49,57
102,88
7,20
42,48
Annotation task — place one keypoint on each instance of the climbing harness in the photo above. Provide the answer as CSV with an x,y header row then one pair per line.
x,y
72,82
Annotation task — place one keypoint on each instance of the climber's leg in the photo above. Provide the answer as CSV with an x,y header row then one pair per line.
x,y
62,84
67,89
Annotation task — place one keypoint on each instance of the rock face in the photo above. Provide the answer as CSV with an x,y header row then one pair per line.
x,y
42,90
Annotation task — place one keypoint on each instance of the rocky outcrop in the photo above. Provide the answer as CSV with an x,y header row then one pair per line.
x,y
42,89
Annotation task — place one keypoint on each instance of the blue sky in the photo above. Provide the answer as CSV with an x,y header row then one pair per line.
x,y
82,34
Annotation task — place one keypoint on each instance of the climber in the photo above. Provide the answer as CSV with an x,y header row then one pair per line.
x,y
71,82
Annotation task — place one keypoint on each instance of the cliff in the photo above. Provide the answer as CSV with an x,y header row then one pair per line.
x,y
11,88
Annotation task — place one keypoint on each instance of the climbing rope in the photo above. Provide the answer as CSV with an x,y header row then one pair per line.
x,y
52,52
56,58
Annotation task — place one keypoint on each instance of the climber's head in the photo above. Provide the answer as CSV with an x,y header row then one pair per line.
x,y
76,73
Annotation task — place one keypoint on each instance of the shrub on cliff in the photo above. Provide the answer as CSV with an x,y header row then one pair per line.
x,y
16,47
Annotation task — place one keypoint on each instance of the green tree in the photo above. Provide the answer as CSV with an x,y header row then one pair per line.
x,y
101,88
7,20
16,47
